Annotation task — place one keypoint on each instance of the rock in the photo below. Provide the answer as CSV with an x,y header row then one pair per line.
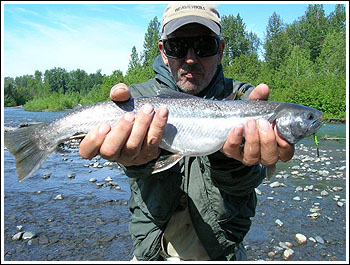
x,y
296,198
19,227
299,188
340,204
18,236
271,254
71,176
288,253
283,245
279,223
107,238
312,239
46,175
28,235
319,239
275,184
59,197
323,173
257,191
324,193
270,198
300,238
108,179
92,180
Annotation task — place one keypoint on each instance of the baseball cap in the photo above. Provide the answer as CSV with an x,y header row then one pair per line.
x,y
178,15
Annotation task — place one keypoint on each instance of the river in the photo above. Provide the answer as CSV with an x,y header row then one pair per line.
x,y
90,220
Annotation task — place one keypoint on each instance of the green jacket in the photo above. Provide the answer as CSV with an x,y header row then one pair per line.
x,y
220,191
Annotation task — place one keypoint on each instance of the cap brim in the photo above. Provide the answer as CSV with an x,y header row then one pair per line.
x,y
173,25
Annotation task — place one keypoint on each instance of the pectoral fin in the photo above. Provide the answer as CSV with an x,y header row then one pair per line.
x,y
166,162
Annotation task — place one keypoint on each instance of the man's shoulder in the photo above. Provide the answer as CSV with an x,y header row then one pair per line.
x,y
145,89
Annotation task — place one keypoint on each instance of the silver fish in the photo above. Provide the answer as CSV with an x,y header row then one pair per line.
x,y
195,127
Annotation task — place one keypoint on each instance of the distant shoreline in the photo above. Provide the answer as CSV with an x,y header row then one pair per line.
x,y
326,120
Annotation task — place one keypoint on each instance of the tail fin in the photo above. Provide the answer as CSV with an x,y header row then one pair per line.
x,y
25,147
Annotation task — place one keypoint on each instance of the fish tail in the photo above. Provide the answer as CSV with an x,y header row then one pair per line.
x,y
24,146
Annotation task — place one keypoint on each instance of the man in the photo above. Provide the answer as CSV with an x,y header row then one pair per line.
x,y
199,209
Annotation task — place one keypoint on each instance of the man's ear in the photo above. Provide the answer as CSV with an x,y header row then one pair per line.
x,y
161,49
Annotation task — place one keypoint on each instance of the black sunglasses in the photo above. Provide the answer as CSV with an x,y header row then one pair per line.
x,y
203,46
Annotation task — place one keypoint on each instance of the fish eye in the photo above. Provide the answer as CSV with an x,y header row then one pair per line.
x,y
310,116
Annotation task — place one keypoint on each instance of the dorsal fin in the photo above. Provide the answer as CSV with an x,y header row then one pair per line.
x,y
168,93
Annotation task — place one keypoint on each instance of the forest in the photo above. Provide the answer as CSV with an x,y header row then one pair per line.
x,y
303,62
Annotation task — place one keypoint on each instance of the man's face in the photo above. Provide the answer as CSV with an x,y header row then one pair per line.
x,y
192,73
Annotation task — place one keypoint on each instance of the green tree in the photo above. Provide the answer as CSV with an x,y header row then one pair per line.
x,y
150,44
337,19
238,40
276,42
332,59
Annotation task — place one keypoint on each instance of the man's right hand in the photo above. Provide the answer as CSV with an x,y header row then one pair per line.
x,y
131,141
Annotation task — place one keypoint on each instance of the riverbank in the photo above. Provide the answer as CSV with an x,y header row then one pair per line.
x,y
81,214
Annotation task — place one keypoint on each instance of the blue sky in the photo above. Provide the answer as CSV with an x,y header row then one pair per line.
x,y
97,36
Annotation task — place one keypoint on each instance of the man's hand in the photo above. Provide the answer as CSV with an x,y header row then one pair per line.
x,y
130,141
262,144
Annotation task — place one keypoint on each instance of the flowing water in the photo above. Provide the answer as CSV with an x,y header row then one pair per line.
x,y
90,222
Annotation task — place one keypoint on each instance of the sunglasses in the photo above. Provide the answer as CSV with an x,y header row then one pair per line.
x,y
203,46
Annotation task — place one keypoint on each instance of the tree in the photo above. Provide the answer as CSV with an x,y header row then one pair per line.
x,y
150,44
276,42
337,19
238,40
332,59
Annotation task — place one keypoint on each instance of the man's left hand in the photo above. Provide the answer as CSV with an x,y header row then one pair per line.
x,y
263,145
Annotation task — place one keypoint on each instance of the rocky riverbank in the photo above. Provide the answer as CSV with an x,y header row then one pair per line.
x,y
81,213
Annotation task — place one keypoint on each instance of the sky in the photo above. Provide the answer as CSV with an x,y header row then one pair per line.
x,y
100,35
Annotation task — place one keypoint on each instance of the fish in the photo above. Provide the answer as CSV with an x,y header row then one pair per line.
x,y
195,126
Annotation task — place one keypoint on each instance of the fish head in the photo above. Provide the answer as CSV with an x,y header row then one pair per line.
x,y
297,122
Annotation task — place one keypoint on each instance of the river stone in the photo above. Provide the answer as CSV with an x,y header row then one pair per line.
x,y
299,188
18,236
275,184
59,197
324,193
300,238
319,239
257,191
288,253
279,223
296,198
28,235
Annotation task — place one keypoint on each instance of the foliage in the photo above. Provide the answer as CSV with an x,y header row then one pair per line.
x,y
303,62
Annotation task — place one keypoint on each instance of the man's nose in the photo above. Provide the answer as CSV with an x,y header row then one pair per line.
x,y
191,56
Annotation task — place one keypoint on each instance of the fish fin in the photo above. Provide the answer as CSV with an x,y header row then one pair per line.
x,y
79,136
23,145
270,170
166,162
173,94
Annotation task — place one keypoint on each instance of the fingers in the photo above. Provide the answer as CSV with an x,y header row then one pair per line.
x,y
261,144
120,92
261,92
116,138
268,144
232,146
90,145
286,150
